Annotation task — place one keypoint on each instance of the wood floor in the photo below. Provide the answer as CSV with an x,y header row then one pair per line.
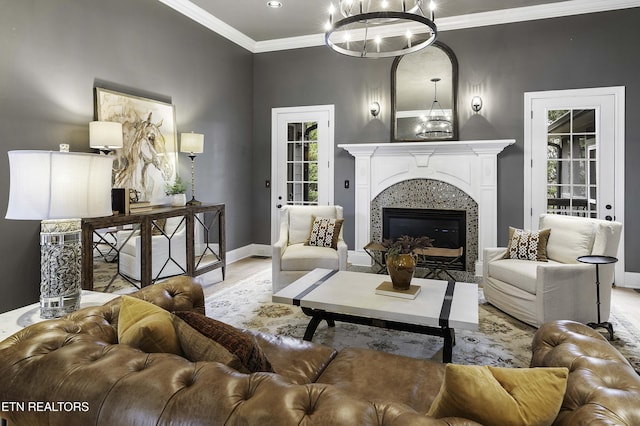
x,y
626,299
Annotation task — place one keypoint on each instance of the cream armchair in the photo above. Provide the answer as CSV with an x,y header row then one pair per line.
x,y
537,292
291,258
168,255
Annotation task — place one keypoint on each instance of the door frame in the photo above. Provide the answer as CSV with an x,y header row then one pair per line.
x,y
276,113
618,93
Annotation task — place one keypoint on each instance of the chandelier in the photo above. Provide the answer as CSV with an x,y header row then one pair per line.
x,y
436,124
380,28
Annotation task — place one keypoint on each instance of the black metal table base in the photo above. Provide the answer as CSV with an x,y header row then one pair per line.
x,y
607,325
317,316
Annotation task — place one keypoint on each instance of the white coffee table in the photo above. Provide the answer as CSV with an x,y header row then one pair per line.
x,y
347,296
14,320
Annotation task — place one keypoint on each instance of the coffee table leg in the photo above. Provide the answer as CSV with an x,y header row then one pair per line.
x,y
449,335
316,319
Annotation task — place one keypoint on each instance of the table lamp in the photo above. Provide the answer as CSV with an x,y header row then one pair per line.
x,y
193,143
59,188
105,135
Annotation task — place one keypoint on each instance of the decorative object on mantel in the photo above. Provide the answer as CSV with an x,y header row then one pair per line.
x,y
400,259
59,188
380,28
193,143
176,192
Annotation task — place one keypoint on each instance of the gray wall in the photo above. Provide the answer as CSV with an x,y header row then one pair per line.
x,y
499,62
53,54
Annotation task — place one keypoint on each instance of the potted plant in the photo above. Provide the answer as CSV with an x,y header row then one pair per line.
x,y
176,192
401,258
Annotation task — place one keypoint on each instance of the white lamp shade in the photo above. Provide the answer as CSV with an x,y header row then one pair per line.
x,y
192,143
58,185
105,135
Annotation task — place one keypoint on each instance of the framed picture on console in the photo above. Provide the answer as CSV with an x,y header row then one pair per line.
x,y
148,159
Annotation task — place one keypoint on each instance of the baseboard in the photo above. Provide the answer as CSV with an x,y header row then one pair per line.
x,y
632,279
248,251
358,258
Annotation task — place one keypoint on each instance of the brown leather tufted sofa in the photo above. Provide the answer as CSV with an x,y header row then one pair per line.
x,y
603,387
72,371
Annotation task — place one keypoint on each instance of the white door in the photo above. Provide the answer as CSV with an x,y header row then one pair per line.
x,y
302,143
574,156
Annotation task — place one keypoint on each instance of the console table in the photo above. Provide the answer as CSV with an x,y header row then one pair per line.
x,y
145,221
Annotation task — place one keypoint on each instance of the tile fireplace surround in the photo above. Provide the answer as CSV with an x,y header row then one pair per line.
x,y
469,166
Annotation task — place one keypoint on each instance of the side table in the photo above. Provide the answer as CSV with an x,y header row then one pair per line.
x,y
13,321
599,260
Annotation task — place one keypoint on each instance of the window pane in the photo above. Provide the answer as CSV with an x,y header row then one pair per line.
x,y
584,120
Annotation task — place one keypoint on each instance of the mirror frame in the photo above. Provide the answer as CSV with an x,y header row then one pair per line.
x,y
454,91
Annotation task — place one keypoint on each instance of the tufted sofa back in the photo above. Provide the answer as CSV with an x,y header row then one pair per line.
x,y
602,384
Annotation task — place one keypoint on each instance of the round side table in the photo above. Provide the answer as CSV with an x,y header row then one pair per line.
x,y
599,260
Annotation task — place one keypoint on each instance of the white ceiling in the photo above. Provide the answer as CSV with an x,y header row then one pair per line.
x,y
299,23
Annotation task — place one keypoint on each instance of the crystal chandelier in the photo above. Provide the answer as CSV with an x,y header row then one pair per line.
x,y
380,28
436,124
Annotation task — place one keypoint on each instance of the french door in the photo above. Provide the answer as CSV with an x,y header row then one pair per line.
x,y
574,156
302,143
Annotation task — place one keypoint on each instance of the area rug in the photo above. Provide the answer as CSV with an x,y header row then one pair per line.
x,y
500,341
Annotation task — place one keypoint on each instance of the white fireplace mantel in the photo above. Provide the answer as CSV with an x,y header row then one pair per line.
x,y
471,166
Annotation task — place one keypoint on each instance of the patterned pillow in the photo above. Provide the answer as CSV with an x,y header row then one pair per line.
x,y
241,345
324,232
527,245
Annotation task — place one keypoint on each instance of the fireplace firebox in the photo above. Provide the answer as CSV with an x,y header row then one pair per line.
x,y
447,228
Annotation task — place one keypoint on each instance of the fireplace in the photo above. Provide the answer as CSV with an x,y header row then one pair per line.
x,y
451,175
447,228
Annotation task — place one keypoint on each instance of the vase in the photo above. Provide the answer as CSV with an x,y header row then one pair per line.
x,y
401,268
178,200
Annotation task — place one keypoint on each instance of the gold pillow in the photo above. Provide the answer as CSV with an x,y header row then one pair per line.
x,y
527,245
147,327
501,396
324,232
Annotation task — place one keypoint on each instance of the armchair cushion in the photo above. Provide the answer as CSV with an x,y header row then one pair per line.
x,y
571,237
300,220
324,232
504,396
299,257
527,245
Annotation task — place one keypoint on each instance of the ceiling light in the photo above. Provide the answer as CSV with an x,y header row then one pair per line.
x,y
380,28
274,4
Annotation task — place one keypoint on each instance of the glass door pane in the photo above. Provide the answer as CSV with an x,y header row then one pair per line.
x,y
571,162
302,163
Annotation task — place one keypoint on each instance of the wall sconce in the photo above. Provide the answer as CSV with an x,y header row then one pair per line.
x,y
476,104
374,108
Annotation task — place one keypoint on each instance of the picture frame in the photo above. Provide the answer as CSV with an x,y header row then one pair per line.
x,y
148,160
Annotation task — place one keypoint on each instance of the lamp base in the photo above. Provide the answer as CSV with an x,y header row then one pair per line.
x,y
60,267
194,202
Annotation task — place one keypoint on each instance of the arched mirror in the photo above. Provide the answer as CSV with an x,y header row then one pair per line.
x,y
424,95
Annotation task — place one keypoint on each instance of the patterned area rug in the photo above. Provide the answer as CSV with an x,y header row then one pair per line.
x,y
500,341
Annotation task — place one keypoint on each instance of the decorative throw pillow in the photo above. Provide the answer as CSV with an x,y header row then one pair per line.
x,y
324,232
198,347
241,345
501,396
527,245
147,327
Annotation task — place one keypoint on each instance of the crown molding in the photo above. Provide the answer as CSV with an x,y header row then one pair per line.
x,y
482,19
209,21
